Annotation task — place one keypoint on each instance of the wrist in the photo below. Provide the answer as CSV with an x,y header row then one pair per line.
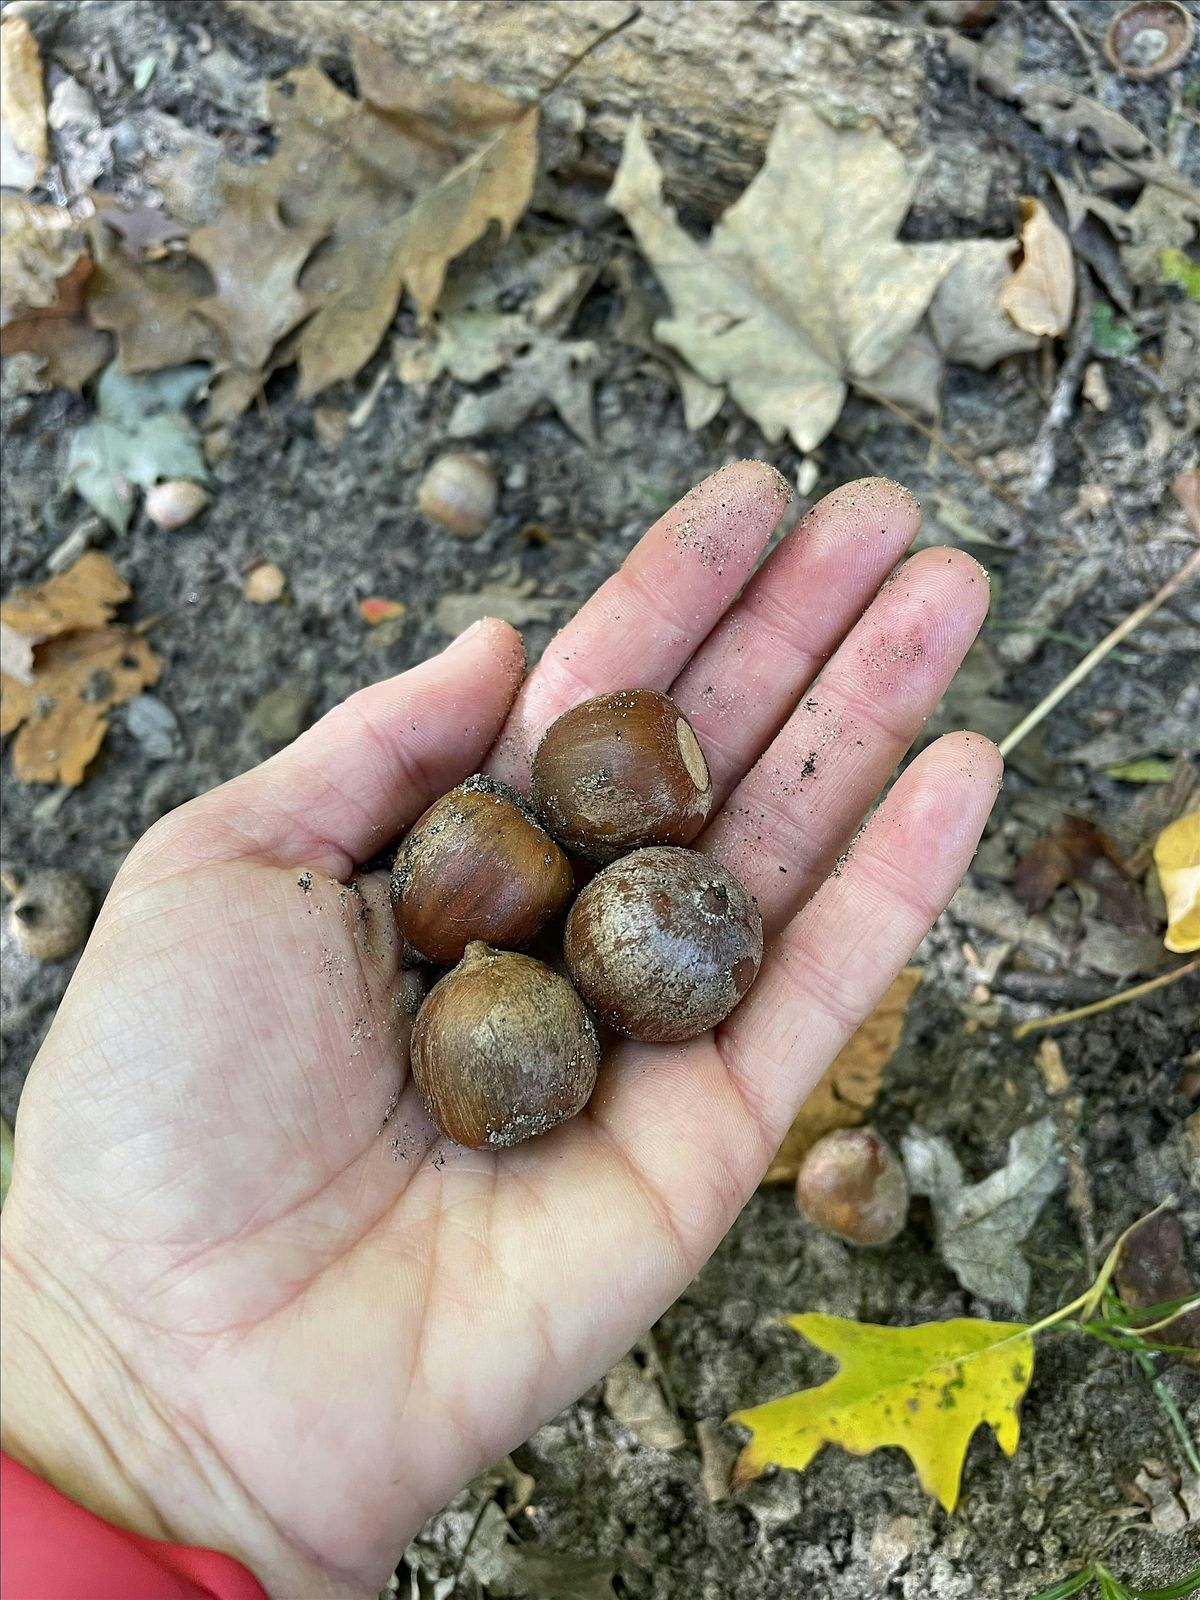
x,y
75,1413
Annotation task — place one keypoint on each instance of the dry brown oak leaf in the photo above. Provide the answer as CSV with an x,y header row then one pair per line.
x,y
83,666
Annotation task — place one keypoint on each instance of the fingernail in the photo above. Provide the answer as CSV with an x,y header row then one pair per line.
x,y
465,634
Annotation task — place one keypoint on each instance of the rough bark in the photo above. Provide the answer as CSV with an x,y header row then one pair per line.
x,y
709,76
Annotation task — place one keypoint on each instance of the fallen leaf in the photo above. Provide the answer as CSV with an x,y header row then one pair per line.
x,y
148,305
1160,220
84,596
924,1389
377,609
1078,852
980,1225
1174,267
634,1396
74,351
356,286
1040,296
62,718
144,230
1149,769
1177,858
717,1456
555,372
635,326
499,1565
254,258
801,287
264,584
41,245
1112,335
23,140
137,437
1152,1271
513,602
844,1096
436,113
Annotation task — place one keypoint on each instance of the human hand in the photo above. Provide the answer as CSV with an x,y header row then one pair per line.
x,y
253,1300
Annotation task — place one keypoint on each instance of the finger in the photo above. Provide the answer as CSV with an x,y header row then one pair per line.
x,y
368,767
747,676
641,626
833,962
785,822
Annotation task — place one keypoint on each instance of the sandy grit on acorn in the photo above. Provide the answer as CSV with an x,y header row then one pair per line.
x,y
661,945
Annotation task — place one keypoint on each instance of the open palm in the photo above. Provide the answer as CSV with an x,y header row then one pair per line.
x,y
294,1317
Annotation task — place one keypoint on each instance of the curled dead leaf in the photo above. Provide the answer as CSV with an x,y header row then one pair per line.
x,y
1040,295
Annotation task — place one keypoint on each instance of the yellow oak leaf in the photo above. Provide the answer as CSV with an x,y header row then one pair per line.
x,y
1177,857
924,1389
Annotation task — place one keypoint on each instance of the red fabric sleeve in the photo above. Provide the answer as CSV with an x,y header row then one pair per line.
x,y
52,1549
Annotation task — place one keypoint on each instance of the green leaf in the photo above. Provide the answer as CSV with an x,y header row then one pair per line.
x,y
1111,335
1147,769
1068,1586
1176,267
137,438
925,1389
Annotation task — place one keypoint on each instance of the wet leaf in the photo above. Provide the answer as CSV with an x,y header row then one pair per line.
x,y
1177,857
924,1389
801,286
844,1096
23,138
137,437
981,1225
1040,296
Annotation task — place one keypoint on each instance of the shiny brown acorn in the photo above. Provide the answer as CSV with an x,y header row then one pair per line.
x,y
502,1049
621,771
852,1183
663,944
476,865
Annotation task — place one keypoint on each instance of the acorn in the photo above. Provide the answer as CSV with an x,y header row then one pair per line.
x,y
476,865
51,913
852,1183
502,1049
460,492
619,772
663,944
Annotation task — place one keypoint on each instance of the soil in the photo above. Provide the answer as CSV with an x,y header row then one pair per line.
x,y
342,525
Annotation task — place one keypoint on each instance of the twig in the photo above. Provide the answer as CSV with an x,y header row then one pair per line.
x,y
1094,657
1079,348
1036,1024
940,439
1062,14
576,60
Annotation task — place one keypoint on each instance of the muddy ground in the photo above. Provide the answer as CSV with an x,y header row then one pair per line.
x,y
342,525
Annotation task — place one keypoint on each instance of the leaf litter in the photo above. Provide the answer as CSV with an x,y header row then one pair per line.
x,y
82,665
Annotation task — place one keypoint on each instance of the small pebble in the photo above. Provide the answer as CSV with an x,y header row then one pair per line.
x,y
154,726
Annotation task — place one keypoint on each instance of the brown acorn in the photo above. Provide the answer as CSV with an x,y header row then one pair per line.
x,y
663,944
619,772
502,1049
852,1183
476,865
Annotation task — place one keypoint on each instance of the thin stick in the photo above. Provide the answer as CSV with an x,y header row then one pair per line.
x,y
940,439
1079,348
577,60
1062,14
1036,1024
1094,657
